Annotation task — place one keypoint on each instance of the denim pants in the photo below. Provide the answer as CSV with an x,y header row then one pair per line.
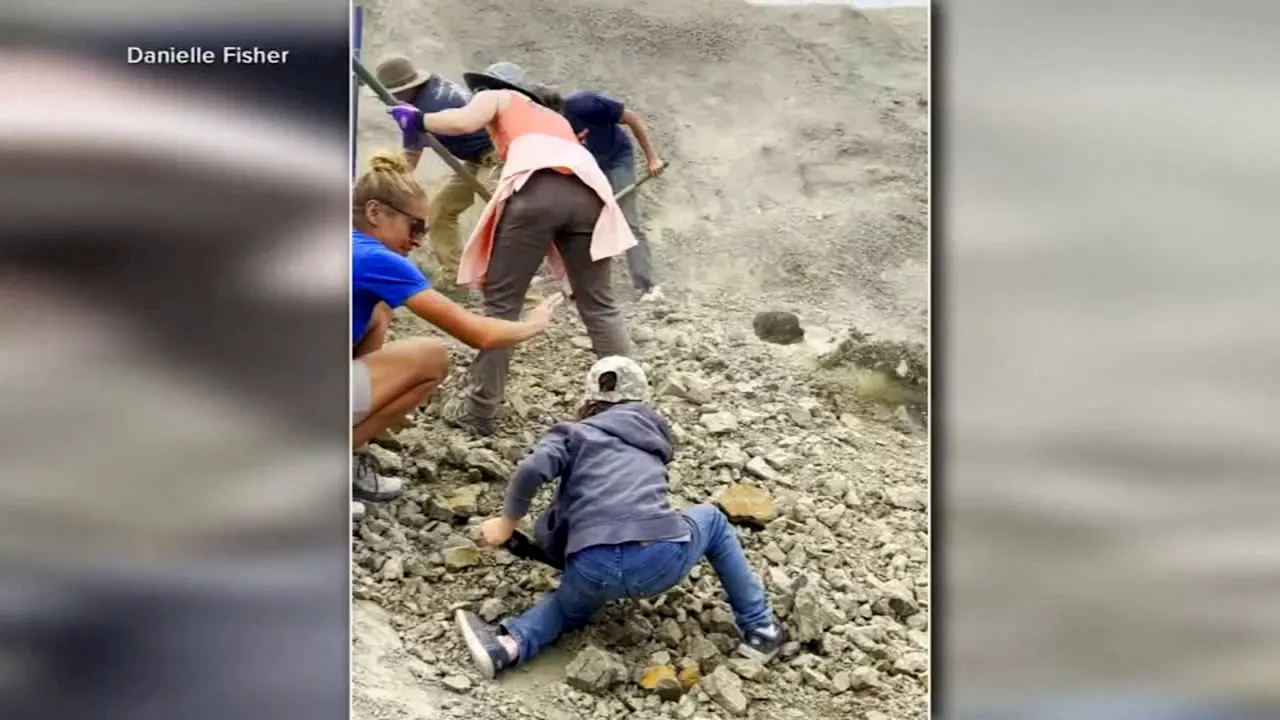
x,y
599,574
639,258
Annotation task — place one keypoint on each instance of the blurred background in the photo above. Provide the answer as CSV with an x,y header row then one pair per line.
x,y
173,455
1106,454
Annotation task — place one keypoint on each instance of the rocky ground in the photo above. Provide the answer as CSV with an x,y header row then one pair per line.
x,y
806,195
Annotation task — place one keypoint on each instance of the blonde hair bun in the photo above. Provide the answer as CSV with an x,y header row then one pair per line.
x,y
388,161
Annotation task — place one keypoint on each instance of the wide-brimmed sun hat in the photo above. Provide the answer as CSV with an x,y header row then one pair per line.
x,y
397,73
502,76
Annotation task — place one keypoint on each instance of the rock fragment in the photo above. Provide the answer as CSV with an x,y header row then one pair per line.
x,y
662,680
778,327
594,671
725,689
456,683
759,468
719,423
748,505
461,556
747,668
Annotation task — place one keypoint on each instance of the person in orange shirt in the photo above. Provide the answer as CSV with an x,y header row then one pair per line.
x,y
552,202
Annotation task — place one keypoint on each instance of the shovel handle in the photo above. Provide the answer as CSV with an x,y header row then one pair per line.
x,y
632,187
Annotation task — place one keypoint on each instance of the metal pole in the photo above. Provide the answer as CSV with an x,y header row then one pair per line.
x,y
390,101
357,42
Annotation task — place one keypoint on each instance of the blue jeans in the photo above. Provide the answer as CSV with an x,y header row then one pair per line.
x,y
596,575
639,258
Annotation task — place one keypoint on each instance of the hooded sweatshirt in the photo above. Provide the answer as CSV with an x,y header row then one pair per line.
x,y
613,482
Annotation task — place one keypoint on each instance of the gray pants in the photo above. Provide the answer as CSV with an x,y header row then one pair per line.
x,y
639,258
551,207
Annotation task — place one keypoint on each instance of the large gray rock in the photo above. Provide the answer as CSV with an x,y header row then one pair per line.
x,y
595,671
781,328
725,689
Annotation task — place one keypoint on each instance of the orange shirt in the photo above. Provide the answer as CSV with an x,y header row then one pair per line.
x,y
529,138
523,117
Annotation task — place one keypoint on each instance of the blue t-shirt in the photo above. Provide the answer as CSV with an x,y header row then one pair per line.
x,y
440,94
378,275
599,115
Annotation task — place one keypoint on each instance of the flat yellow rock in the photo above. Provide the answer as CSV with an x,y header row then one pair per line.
x,y
747,504
654,675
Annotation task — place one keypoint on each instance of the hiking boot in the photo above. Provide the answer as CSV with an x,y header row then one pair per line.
x,y
454,412
482,640
762,643
368,485
652,295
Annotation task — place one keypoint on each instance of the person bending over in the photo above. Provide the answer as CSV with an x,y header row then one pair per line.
x,y
553,202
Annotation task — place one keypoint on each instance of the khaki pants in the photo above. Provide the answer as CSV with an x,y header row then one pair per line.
x,y
454,198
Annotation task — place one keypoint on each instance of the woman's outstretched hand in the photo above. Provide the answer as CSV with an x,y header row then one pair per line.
x,y
544,313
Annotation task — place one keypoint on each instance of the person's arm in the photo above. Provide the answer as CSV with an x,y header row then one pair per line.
x,y
412,156
477,331
472,117
548,460
638,128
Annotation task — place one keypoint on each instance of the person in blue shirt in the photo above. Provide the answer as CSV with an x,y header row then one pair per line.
x,y
391,379
598,120
431,93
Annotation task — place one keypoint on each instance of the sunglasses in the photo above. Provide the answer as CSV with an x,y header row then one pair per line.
x,y
417,226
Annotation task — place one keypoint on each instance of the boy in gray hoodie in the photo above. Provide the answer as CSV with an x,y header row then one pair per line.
x,y
610,527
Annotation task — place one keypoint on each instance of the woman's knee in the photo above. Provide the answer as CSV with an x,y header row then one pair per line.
x,y
431,360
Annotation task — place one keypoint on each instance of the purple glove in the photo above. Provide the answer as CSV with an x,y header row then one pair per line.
x,y
409,118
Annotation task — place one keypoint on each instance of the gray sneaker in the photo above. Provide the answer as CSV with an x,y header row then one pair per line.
x,y
368,485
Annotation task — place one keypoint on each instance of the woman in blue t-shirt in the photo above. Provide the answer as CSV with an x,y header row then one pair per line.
x,y
390,379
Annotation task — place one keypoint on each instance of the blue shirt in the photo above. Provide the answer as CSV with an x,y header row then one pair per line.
x,y
440,94
379,275
599,115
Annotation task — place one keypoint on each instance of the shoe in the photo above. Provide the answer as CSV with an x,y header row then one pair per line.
x,y
454,412
652,295
482,640
368,485
357,511
762,643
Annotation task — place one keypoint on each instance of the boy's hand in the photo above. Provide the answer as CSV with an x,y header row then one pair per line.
x,y
497,530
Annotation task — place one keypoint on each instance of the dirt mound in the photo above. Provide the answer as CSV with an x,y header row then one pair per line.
x,y
798,182
798,138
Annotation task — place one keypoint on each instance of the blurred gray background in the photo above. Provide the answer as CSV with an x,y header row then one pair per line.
x,y
1107,455
173,381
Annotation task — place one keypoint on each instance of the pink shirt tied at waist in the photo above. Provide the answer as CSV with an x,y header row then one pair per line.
x,y
527,155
